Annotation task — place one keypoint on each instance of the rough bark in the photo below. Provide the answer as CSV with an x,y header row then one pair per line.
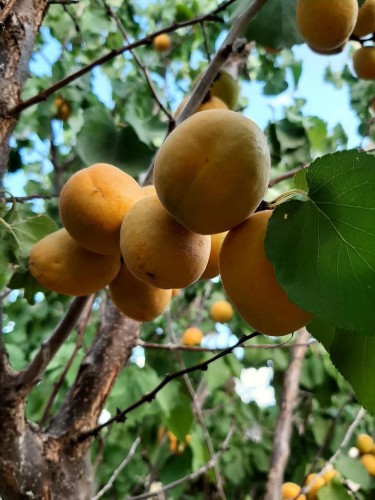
x,y
16,44
281,441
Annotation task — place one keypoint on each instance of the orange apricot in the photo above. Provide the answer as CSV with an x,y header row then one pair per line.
x,y
211,103
289,491
212,171
60,264
364,443
250,282
160,251
212,268
93,203
366,19
221,311
192,336
162,43
364,63
368,460
318,481
137,299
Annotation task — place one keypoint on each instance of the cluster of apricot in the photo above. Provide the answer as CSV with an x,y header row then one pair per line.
x,y
210,175
366,449
292,491
327,26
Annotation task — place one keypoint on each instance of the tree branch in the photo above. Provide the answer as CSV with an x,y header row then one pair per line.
x,y
286,175
147,40
28,377
150,396
281,441
194,475
123,464
6,11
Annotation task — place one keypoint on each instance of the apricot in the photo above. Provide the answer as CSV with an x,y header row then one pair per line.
x,y
93,203
176,447
211,103
329,475
325,25
192,336
162,43
60,264
136,299
226,88
147,190
289,491
364,443
364,63
212,268
319,482
330,52
212,171
366,19
368,460
250,282
160,251
221,311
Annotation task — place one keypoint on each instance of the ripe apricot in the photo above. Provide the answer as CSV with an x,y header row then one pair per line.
x,y
221,311
212,268
64,111
319,482
364,443
329,475
136,299
192,336
368,460
160,251
289,491
60,264
250,282
212,171
330,52
162,43
147,190
93,203
226,88
324,24
366,19
364,63
211,103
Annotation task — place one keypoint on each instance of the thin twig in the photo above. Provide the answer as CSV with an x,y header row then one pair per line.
x,y
28,377
123,464
147,40
205,42
197,407
56,386
194,475
30,197
6,10
180,347
58,181
150,396
343,445
286,176
142,67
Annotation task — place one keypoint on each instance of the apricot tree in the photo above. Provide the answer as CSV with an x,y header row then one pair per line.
x,y
94,403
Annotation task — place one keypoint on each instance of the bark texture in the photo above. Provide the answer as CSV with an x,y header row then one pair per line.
x,y
16,44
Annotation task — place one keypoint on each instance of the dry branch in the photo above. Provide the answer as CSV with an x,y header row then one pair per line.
x,y
281,440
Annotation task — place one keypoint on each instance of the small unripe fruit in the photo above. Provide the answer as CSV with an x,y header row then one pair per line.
x,y
192,336
162,43
221,311
364,443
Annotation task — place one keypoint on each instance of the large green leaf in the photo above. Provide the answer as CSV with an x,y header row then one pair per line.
x,y
333,491
323,245
101,141
274,25
353,356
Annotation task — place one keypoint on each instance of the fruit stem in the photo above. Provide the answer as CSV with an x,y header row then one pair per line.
x,y
288,195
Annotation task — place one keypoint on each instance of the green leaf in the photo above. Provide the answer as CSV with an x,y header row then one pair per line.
x,y
352,468
322,246
101,141
275,25
22,278
29,231
181,417
333,491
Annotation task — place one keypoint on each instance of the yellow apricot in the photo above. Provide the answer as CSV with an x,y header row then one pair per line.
x,y
364,63
60,264
137,299
147,190
324,24
226,88
221,311
250,282
212,268
289,491
368,460
366,19
162,43
160,251
192,336
319,482
212,171
364,443
211,103
93,203
329,475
